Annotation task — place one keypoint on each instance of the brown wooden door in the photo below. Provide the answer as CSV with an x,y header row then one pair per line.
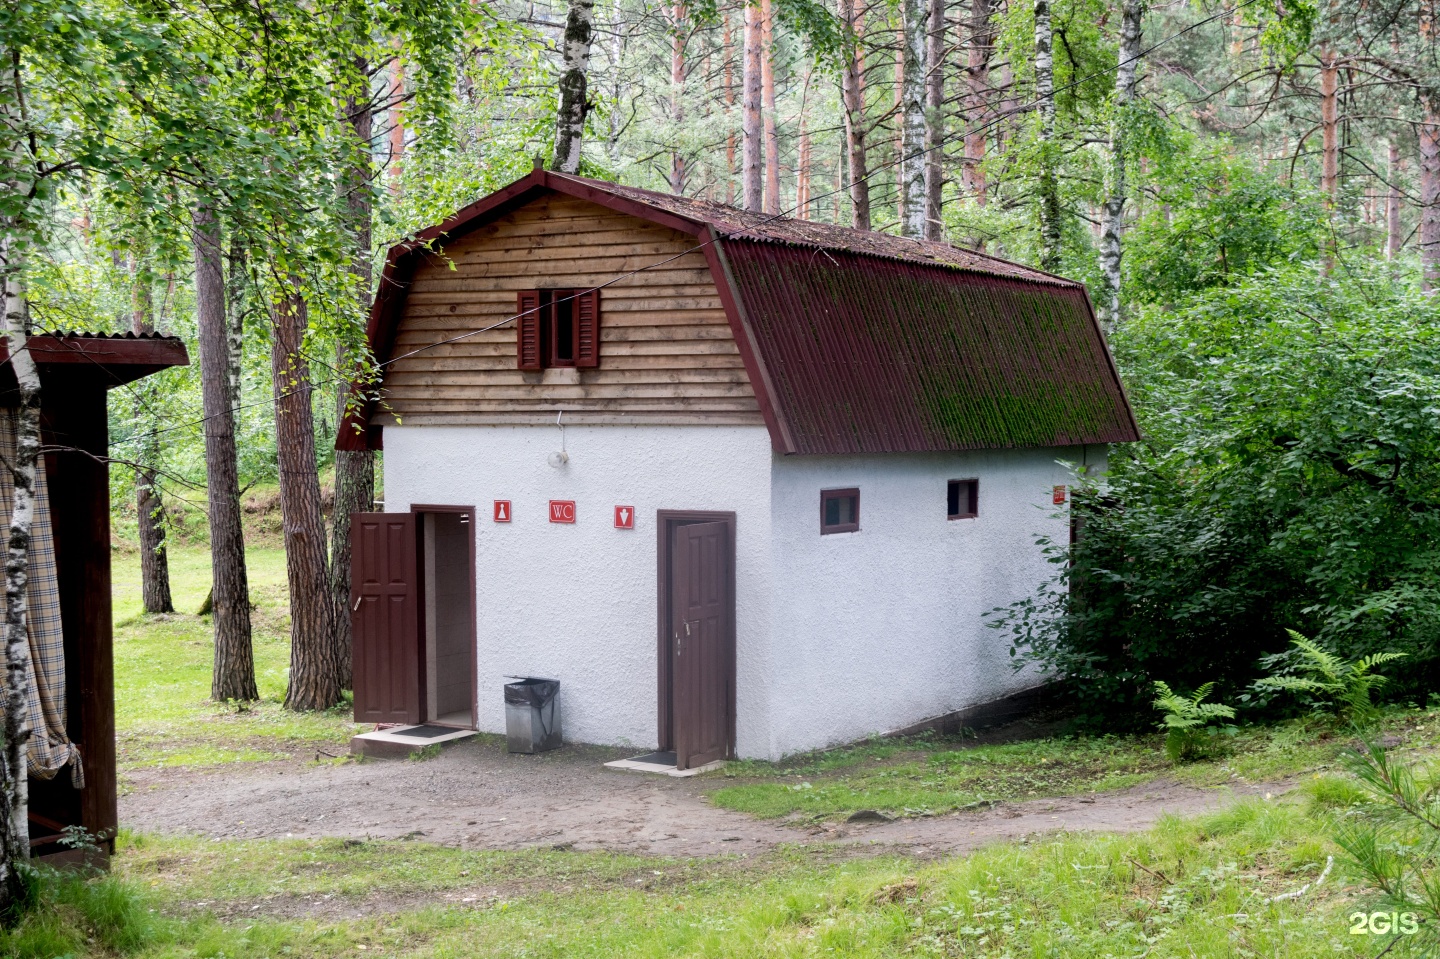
x,y
385,617
700,609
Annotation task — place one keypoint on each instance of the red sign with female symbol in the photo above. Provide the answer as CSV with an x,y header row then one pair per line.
x,y
502,511
562,511
624,517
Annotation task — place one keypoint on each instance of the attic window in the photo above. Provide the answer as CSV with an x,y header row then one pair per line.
x,y
839,510
962,499
557,328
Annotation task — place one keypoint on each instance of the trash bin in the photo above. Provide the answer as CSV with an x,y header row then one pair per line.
x,y
532,715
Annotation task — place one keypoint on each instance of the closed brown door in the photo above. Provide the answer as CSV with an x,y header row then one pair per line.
x,y
700,609
385,617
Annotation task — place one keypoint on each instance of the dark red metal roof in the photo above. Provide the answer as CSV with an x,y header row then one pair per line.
x,y
116,358
855,341
868,356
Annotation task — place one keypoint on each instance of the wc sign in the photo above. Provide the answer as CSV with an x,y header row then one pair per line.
x,y
624,517
562,511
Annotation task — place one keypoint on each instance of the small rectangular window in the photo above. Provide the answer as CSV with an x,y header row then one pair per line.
x,y
962,499
557,328
839,510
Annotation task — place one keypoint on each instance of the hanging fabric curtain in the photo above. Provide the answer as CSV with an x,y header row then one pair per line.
x,y
50,748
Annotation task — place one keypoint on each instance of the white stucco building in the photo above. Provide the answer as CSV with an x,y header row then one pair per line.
x,y
744,485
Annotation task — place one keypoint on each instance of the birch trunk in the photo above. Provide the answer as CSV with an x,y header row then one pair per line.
x,y
235,305
852,93
14,788
1392,205
677,94
1049,186
914,15
935,121
570,117
234,671
1111,239
752,187
767,107
354,469
315,680
1430,196
977,100
149,509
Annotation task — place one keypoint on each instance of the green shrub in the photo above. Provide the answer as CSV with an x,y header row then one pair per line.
x,y
1189,722
1289,476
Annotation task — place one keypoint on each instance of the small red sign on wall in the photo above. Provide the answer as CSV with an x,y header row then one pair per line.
x,y
562,511
1057,495
624,517
502,511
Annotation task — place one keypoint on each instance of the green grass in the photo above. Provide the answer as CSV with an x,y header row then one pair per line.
x,y
163,713
928,775
1183,889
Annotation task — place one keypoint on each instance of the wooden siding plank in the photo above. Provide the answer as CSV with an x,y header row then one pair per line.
x,y
667,349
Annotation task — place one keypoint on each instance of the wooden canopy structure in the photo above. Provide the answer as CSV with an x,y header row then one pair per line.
x,y
76,373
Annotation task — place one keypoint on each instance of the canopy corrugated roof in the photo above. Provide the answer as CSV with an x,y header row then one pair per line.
x,y
856,341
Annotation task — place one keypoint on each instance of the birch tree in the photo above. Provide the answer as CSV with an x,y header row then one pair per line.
x,y
149,510
767,107
1132,13
1048,199
914,201
934,120
574,102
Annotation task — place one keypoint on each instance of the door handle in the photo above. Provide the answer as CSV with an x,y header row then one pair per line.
x,y
356,607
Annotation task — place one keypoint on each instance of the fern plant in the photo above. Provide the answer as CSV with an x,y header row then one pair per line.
x,y
1333,684
1189,721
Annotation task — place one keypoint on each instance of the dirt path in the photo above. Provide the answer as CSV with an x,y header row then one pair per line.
x,y
476,795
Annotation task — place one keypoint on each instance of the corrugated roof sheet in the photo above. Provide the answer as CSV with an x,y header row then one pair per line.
x,y
745,224
883,357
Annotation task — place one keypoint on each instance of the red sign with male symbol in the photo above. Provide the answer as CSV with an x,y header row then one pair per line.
x,y
624,517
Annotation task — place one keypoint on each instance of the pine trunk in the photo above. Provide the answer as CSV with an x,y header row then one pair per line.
x,y
677,97
752,192
1329,143
767,100
234,670
852,92
1430,196
570,117
977,100
730,139
935,121
149,509
1392,206
397,124
14,776
315,680
914,201
1049,184
802,180
1111,239
354,469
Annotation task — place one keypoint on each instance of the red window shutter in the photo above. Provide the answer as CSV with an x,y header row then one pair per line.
x,y
587,329
527,330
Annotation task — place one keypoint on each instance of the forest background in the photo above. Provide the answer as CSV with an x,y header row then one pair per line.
x,y
1251,191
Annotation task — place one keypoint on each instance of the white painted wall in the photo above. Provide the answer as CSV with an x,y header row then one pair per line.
x,y
838,636
881,628
577,603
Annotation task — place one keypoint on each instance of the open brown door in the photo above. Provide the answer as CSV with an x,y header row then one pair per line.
x,y
700,608
385,617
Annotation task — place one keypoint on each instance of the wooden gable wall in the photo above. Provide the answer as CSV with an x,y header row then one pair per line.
x,y
667,352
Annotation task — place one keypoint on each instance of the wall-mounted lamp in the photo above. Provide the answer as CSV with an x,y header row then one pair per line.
x,y
559,458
